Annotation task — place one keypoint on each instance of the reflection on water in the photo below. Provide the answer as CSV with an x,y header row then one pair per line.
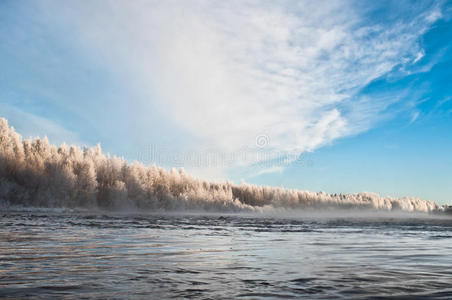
x,y
78,255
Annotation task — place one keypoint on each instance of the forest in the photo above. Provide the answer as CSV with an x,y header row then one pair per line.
x,y
36,173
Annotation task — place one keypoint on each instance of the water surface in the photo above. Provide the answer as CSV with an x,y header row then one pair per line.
x,y
75,255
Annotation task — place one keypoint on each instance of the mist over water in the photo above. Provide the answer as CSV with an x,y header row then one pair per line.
x,y
35,173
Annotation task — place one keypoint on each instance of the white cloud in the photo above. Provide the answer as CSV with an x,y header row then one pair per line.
x,y
230,71
414,117
419,56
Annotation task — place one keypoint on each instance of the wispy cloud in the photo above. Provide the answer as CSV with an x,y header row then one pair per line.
x,y
37,126
414,117
231,71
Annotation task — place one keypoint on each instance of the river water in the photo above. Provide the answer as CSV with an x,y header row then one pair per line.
x,y
66,254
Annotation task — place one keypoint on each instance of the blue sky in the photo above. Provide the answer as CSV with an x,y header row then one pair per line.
x,y
339,96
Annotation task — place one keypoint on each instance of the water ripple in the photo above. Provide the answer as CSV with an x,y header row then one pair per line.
x,y
54,255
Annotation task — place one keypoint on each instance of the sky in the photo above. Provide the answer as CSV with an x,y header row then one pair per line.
x,y
334,96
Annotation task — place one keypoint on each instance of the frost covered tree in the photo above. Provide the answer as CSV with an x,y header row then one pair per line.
x,y
34,172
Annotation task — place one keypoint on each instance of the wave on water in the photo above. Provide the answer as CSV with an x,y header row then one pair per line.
x,y
35,173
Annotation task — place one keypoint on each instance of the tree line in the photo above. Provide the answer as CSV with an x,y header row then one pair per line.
x,y
34,172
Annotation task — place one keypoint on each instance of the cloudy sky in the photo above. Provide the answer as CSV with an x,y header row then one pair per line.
x,y
339,96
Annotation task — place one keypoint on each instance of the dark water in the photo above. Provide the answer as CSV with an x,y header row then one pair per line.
x,y
75,255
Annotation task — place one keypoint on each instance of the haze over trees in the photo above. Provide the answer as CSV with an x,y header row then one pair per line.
x,y
34,172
